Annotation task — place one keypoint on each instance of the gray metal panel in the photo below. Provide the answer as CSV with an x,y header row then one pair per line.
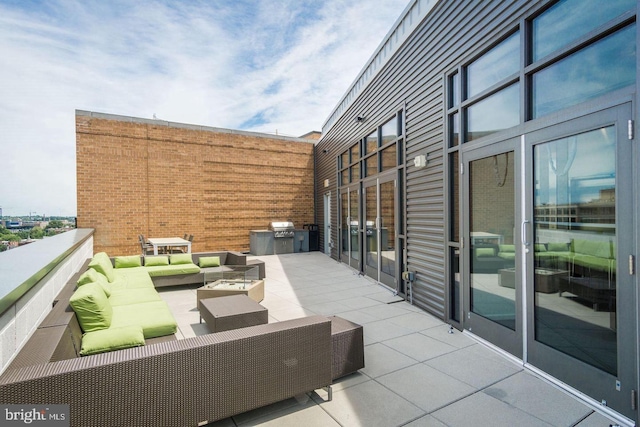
x,y
453,32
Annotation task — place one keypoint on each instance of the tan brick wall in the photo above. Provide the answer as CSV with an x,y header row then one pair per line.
x,y
164,181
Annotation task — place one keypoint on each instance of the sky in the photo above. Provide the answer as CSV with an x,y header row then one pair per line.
x,y
257,65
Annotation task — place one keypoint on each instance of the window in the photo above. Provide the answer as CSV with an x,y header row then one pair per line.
x,y
494,66
383,151
569,20
601,67
494,113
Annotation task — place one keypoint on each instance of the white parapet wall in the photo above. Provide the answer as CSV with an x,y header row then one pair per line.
x,y
21,317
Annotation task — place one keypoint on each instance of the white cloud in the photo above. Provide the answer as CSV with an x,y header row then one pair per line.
x,y
256,65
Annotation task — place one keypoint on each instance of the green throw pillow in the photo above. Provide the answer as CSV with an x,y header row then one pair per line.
x,y
485,252
102,264
151,261
209,261
127,261
92,276
558,247
111,339
507,248
92,307
540,247
180,259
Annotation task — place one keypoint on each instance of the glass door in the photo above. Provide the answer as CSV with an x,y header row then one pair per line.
x,y
581,304
380,230
492,290
349,226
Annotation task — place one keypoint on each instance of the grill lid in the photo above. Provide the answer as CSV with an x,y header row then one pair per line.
x,y
282,228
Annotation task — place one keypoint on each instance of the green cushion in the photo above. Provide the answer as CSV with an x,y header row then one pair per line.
x,y
209,261
180,259
156,260
92,307
92,276
507,248
557,247
111,339
484,252
540,247
172,270
133,296
600,249
127,261
154,317
102,264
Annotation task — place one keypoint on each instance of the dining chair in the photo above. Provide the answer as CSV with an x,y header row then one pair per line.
x,y
146,248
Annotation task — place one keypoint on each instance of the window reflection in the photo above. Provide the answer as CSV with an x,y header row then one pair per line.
x,y
371,142
371,165
495,65
574,250
568,20
389,156
605,66
389,131
497,112
454,130
492,210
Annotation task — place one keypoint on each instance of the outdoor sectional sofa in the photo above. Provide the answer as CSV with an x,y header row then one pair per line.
x,y
176,382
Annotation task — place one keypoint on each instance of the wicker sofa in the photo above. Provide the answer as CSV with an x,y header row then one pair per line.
x,y
178,382
168,381
227,259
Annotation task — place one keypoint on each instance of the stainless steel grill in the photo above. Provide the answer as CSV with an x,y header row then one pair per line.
x,y
282,229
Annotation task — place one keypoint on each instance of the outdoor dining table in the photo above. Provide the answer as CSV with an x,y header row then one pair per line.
x,y
168,242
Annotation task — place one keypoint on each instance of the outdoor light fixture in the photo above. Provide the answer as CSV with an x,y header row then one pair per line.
x,y
420,161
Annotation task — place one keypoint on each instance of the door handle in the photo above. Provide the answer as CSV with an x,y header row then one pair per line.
x,y
523,234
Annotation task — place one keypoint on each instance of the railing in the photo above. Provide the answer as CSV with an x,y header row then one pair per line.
x,y
30,278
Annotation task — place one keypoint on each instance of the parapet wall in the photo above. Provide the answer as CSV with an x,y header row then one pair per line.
x,y
160,179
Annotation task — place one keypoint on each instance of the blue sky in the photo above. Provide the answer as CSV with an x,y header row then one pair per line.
x,y
261,65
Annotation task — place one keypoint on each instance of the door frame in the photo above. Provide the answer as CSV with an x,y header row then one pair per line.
x,y
350,191
501,336
327,223
377,273
600,385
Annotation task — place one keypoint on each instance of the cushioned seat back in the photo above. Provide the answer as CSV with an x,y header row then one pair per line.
x,y
601,249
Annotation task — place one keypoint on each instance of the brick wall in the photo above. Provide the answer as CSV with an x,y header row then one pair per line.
x,y
137,176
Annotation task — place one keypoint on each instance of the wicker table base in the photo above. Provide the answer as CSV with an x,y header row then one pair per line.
x,y
231,312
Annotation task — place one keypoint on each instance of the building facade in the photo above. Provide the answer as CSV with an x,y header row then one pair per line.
x,y
488,150
162,179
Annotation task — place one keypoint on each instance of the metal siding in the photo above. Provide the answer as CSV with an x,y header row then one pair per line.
x,y
453,32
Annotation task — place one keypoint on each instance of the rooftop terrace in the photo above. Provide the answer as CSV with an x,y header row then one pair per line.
x,y
417,373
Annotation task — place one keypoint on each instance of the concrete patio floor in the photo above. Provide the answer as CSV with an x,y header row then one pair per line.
x,y
416,373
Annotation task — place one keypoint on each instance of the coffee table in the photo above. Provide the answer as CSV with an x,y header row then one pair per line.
x,y
231,312
546,279
237,280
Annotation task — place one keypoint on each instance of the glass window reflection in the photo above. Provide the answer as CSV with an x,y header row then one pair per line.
x,y
371,142
497,112
495,65
389,131
605,66
389,156
568,20
574,251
